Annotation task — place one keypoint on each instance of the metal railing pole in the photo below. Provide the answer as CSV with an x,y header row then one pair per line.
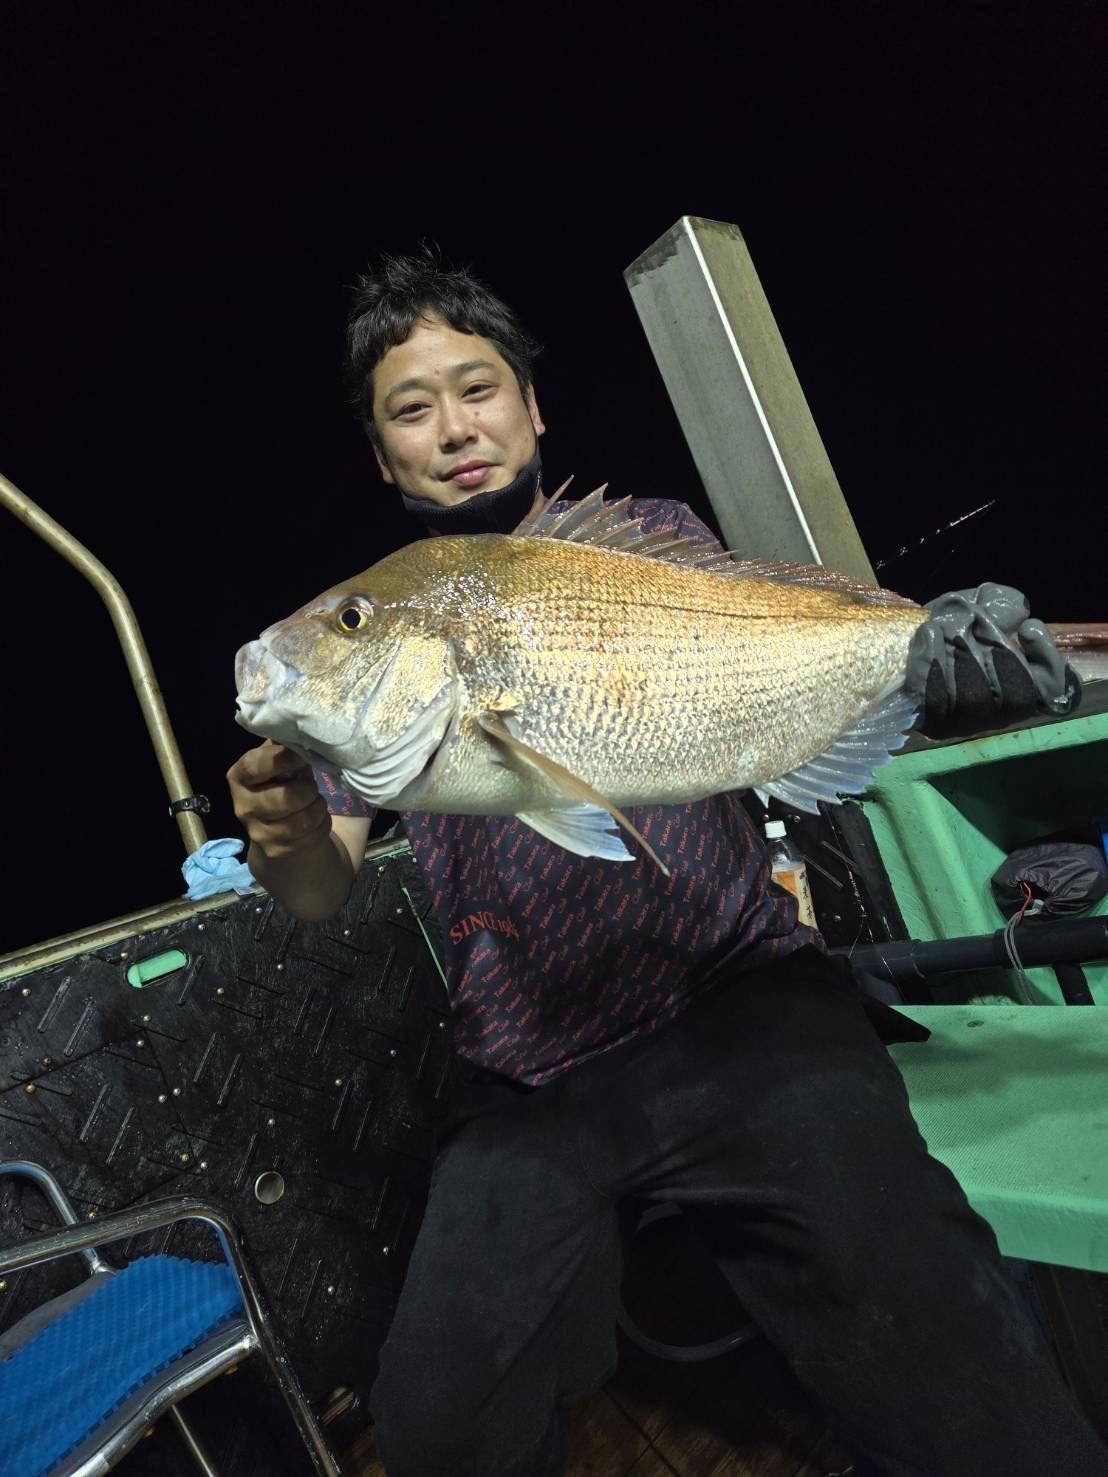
x,y
135,654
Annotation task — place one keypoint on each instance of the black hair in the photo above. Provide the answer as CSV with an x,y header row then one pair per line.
x,y
387,303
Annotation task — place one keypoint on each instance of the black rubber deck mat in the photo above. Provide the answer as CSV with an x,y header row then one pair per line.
x,y
290,1073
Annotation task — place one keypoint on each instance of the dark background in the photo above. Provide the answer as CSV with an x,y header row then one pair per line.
x,y
186,194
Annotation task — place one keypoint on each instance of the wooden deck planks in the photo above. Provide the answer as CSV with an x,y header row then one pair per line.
x,y
743,1416
604,1441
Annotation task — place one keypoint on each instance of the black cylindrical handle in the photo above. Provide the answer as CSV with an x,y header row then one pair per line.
x,y
1059,941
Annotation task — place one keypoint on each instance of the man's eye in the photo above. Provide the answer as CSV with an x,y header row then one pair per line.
x,y
478,389
412,409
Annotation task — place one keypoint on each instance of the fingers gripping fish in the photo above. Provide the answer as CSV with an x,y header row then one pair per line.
x,y
578,667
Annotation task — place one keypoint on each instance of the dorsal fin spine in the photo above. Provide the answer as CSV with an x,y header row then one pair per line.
x,y
610,526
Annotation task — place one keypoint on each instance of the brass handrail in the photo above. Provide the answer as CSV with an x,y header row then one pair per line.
x,y
135,654
153,919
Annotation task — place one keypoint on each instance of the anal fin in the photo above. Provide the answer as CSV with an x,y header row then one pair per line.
x,y
586,830
583,828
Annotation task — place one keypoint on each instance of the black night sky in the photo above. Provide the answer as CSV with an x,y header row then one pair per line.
x,y
187,192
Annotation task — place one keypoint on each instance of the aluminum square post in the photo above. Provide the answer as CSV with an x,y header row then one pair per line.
x,y
739,402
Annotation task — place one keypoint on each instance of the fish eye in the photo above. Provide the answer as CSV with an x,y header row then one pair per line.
x,y
352,617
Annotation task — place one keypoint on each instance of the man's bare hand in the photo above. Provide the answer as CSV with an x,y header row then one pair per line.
x,y
275,797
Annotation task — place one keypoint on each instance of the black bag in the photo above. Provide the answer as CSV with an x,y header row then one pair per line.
x,y
1063,877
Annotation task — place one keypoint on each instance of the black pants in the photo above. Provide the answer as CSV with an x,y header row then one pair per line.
x,y
771,1111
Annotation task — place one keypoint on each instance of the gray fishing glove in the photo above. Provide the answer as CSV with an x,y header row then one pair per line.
x,y
971,673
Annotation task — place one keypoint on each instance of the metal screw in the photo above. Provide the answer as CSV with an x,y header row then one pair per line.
x,y
258,909
140,1042
184,1158
279,968
220,990
271,1123
200,928
161,1097
442,1025
3,1284
400,910
203,1164
176,1092
384,1251
338,1081
29,1088
25,991
92,1215
48,1061
392,1051
380,870
146,1020
331,1289
124,955
346,933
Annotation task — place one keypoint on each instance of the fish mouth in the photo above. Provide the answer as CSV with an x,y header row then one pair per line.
x,y
246,668
260,678
266,707
259,668
257,674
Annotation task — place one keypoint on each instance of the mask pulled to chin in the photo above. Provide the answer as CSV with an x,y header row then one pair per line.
x,y
499,511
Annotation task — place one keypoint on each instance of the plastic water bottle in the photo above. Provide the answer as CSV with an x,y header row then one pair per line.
x,y
789,871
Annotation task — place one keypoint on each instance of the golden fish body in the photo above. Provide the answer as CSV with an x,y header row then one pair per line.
x,y
651,682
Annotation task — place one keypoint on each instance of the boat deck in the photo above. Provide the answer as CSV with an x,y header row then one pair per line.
x,y
743,1415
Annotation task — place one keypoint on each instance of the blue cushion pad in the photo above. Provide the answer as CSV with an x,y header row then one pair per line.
x,y
59,1387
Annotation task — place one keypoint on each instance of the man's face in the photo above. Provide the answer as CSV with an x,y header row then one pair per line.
x,y
450,416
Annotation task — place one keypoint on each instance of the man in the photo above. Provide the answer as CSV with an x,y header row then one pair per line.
x,y
680,1040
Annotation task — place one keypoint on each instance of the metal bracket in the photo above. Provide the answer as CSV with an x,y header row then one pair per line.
x,y
199,803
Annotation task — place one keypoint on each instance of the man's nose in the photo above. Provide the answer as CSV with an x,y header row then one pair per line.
x,y
455,425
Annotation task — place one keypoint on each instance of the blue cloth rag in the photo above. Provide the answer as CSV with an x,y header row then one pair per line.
x,y
59,1387
212,868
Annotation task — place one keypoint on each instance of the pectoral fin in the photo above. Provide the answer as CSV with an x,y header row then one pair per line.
x,y
577,825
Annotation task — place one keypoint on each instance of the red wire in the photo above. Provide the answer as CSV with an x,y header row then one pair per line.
x,y
1026,902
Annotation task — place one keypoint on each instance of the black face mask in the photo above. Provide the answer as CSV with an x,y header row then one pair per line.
x,y
485,512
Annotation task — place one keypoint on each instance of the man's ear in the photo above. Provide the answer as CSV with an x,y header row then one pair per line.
x,y
383,465
533,410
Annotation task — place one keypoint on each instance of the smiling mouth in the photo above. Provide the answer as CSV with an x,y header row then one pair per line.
x,y
470,475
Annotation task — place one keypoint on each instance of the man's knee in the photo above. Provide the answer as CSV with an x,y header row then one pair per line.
x,y
856,1187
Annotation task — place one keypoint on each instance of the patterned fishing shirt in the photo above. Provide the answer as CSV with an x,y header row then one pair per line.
x,y
552,958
